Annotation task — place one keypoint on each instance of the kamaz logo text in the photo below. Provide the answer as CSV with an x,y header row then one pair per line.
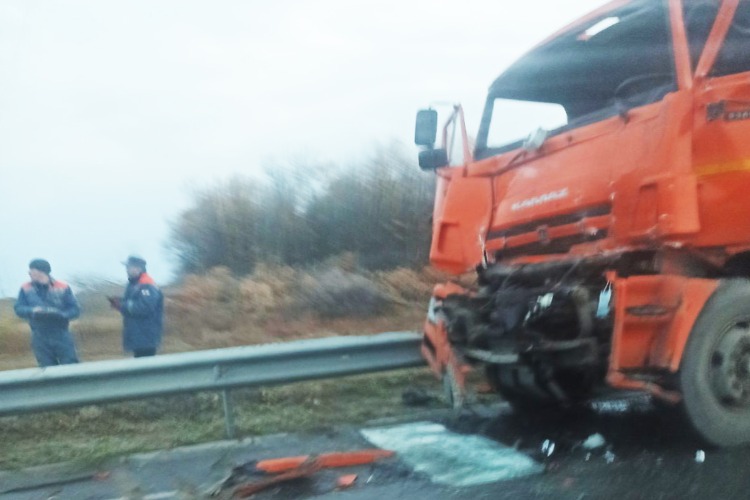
x,y
539,200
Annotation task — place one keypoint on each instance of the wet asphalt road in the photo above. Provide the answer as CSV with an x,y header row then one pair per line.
x,y
648,455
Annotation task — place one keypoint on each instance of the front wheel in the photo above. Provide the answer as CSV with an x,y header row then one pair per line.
x,y
715,370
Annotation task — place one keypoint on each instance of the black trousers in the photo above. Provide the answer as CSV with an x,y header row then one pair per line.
x,y
140,353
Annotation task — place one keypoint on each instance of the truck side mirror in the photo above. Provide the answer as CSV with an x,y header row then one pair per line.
x,y
431,159
425,130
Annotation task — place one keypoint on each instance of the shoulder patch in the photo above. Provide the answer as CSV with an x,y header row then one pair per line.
x,y
59,284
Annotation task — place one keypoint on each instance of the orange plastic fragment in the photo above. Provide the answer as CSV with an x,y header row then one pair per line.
x,y
346,481
325,460
346,459
276,465
305,469
484,388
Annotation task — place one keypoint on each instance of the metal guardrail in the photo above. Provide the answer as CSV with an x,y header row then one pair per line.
x,y
37,389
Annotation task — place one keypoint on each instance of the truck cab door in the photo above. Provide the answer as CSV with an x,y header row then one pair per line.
x,y
721,125
619,172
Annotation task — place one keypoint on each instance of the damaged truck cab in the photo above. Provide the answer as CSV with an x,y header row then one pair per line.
x,y
611,246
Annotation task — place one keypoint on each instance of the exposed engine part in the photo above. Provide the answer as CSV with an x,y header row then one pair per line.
x,y
515,318
541,336
641,262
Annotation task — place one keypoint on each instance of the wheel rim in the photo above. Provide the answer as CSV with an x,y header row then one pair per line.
x,y
730,367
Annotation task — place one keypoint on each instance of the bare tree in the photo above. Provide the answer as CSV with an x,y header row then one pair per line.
x,y
301,214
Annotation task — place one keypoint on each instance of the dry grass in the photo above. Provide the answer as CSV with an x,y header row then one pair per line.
x,y
14,338
336,293
278,303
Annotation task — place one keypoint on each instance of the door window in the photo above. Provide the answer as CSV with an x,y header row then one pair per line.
x,y
734,56
699,16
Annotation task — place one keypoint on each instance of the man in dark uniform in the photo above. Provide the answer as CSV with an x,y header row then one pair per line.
x,y
142,308
48,305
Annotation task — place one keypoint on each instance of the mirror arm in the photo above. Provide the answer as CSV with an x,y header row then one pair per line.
x,y
458,114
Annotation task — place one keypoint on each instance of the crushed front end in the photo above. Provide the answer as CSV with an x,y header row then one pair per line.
x,y
541,333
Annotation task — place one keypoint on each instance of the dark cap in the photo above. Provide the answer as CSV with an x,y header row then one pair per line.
x,y
135,261
40,265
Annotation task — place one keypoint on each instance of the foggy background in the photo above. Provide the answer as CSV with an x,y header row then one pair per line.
x,y
113,113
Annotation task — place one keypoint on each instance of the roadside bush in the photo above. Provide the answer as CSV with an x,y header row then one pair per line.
x,y
14,336
267,290
217,309
406,284
335,293
208,301
97,327
92,296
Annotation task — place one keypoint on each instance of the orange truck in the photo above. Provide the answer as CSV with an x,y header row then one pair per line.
x,y
610,245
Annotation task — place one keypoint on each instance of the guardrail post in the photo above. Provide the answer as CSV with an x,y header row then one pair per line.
x,y
226,399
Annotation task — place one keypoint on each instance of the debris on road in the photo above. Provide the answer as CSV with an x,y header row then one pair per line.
x,y
346,481
252,477
484,388
593,442
548,448
700,456
615,406
102,476
414,396
305,469
609,457
452,459
325,460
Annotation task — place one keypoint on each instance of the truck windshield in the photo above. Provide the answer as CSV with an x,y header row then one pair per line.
x,y
517,119
589,73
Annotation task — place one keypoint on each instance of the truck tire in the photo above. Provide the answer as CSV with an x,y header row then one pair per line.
x,y
715,368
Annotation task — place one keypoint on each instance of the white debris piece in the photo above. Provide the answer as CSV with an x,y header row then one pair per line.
x,y
618,406
594,441
548,448
700,456
452,459
609,457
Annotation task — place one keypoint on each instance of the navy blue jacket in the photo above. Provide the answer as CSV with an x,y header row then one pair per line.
x,y
57,302
142,308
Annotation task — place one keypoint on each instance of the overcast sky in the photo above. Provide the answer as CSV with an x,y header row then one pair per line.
x,y
112,112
